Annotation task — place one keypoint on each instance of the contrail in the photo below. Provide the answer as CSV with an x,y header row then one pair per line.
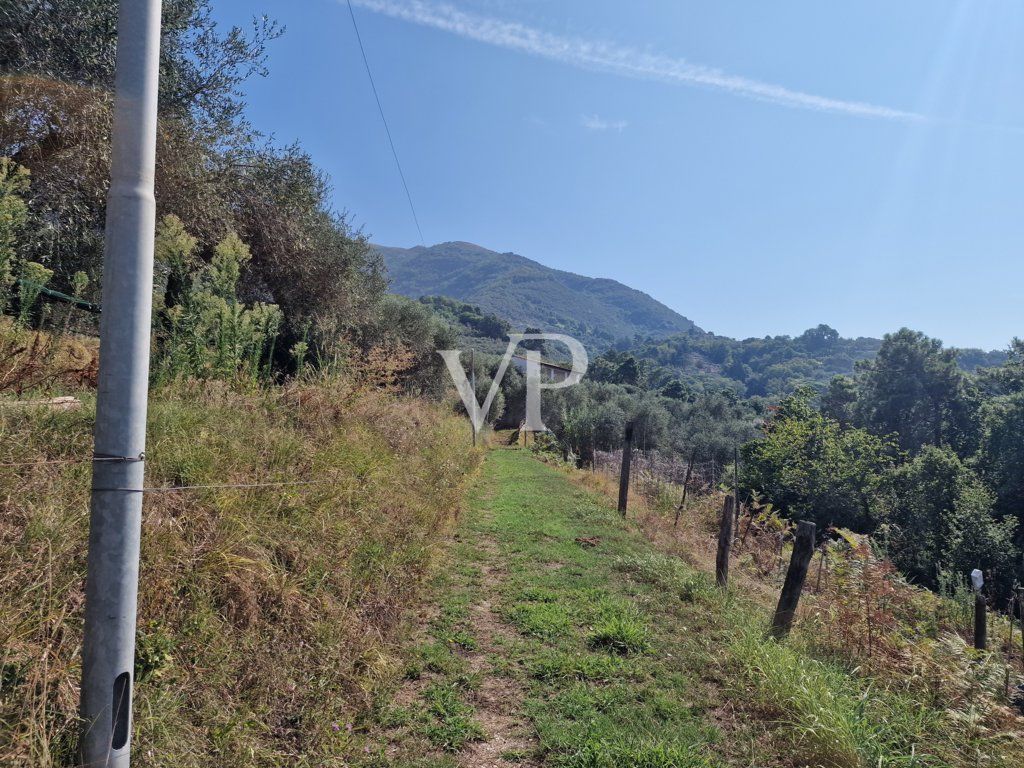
x,y
616,59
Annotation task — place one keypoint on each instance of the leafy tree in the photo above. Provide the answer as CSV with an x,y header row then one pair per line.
x,y
712,425
812,468
819,339
914,389
677,390
938,515
214,172
771,366
468,315
629,371
839,400
324,275
603,367
651,422
535,345
1007,378
409,326
57,66
1001,458
14,183
513,391
201,67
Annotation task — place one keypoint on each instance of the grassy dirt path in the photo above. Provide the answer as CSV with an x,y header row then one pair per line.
x,y
559,636
559,639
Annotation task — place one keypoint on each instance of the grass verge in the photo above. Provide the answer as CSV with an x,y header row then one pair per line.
x,y
266,618
631,657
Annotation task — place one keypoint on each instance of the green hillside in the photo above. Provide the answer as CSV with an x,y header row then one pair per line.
x,y
484,294
597,311
772,365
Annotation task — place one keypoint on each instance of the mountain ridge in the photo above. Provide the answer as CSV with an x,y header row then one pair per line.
x,y
617,322
599,311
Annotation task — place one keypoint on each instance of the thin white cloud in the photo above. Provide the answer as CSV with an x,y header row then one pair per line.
x,y
598,123
616,59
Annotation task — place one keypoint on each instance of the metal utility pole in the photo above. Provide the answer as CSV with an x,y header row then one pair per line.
x,y
108,651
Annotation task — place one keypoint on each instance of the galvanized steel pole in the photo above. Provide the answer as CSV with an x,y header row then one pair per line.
x,y
115,522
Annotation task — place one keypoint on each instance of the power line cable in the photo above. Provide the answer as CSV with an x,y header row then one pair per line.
x,y
384,120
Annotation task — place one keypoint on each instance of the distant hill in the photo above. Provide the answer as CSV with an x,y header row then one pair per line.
x,y
597,311
476,289
773,365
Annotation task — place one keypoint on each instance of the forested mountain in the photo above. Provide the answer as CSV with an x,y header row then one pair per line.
x,y
624,326
771,366
597,311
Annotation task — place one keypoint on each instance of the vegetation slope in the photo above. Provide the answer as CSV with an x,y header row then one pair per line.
x,y
527,294
266,616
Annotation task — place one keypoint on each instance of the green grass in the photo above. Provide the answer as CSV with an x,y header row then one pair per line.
x,y
620,628
554,666
668,574
832,716
541,620
629,657
600,689
450,725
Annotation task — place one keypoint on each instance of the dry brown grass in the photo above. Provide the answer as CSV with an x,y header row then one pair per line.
x,y
265,617
31,361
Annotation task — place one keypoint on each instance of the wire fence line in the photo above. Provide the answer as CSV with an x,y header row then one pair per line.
x,y
170,488
651,471
224,486
47,462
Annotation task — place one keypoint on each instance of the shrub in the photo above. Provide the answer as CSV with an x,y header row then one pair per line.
x,y
206,331
14,181
940,517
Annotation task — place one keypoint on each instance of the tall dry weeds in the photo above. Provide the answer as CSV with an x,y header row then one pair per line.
x,y
265,617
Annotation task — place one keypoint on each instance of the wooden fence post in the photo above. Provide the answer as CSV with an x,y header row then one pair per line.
x,y
627,457
1019,591
980,622
724,543
736,483
1013,618
803,551
686,484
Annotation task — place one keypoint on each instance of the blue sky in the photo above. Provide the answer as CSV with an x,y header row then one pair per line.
x,y
759,167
